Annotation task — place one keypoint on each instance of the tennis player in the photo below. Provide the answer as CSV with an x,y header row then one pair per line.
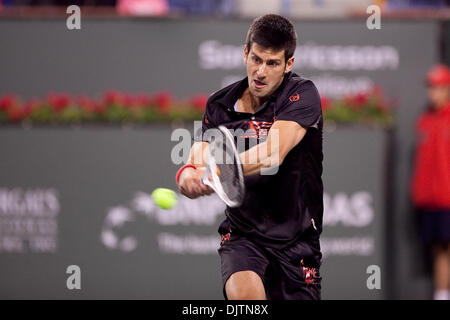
x,y
270,244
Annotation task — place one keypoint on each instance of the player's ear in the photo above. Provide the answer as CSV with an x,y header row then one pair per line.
x,y
245,53
289,65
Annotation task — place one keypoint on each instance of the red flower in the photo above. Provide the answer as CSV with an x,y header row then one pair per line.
x,y
357,101
143,100
30,106
361,99
378,95
7,101
113,97
129,101
58,101
325,103
100,107
199,101
15,113
163,101
87,104
348,100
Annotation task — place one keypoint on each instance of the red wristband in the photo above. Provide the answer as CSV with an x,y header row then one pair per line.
x,y
177,176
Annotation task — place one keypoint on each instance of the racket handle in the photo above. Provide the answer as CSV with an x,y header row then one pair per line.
x,y
206,182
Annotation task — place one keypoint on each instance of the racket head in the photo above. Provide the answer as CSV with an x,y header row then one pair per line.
x,y
224,167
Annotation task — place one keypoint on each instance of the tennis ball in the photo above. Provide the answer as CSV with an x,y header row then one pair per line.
x,y
164,198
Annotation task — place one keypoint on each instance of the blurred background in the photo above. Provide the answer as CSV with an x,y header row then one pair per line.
x,y
88,113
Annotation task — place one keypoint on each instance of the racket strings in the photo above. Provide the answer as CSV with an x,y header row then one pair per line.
x,y
229,181
228,168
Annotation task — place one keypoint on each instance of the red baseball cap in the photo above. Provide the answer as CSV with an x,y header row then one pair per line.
x,y
439,75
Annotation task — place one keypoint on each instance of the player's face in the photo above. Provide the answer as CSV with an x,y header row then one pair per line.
x,y
265,69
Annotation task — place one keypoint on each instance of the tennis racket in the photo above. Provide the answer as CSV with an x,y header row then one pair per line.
x,y
224,169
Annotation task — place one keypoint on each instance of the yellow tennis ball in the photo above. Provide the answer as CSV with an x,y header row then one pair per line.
x,y
164,198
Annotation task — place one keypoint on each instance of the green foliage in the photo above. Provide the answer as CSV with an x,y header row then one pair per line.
x,y
116,107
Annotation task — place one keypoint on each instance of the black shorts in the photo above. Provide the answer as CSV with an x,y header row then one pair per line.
x,y
435,226
291,273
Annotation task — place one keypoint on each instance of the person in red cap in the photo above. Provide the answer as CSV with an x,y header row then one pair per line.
x,y
431,177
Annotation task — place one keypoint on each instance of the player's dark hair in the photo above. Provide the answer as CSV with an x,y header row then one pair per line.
x,y
275,32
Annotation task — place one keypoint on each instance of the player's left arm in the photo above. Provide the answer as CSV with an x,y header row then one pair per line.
x,y
294,118
282,137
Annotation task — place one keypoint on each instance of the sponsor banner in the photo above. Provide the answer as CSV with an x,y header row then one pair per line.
x,y
341,212
29,220
318,61
87,211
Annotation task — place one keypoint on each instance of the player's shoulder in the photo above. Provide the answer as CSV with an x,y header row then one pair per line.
x,y
295,81
297,85
221,93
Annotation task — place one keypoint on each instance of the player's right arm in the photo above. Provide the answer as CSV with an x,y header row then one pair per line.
x,y
189,182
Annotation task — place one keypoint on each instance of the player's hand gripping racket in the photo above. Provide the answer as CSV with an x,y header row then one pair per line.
x,y
224,169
